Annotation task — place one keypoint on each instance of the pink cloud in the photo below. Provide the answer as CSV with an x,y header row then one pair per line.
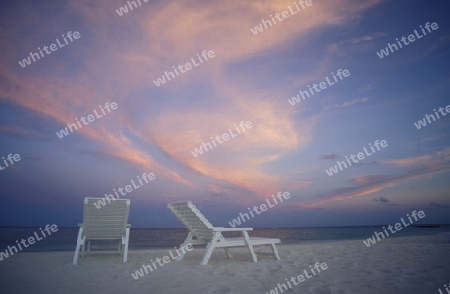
x,y
368,184
143,50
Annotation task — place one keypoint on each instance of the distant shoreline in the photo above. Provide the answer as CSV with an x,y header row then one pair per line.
x,y
180,228
159,238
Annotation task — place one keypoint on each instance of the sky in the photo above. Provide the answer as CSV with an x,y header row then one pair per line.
x,y
250,78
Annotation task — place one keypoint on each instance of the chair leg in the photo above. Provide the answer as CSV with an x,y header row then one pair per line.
x,y
275,251
77,253
83,249
210,248
188,240
250,246
75,256
89,246
126,241
228,253
77,249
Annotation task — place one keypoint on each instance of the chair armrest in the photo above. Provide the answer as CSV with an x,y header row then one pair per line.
x,y
220,229
80,225
128,226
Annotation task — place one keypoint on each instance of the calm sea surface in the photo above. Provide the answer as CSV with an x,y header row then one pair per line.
x,y
65,238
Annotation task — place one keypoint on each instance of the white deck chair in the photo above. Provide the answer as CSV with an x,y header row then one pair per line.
x,y
106,223
201,231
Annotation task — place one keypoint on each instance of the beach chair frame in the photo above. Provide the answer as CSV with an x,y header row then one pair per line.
x,y
201,232
106,223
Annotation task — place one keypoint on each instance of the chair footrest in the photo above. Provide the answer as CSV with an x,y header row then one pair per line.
x,y
241,242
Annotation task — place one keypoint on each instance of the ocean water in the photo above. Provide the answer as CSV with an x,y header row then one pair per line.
x,y
65,238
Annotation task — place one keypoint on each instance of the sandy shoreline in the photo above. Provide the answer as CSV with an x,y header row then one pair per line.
x,y
396,265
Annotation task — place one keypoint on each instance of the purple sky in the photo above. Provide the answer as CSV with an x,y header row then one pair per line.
x,y
250,78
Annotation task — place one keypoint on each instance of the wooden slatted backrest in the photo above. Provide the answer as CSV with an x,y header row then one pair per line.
x,y
107,222
193,219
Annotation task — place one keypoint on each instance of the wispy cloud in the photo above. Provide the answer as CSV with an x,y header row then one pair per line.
x,y
438,44
384,200
381,200
410,161
17,132
366,38
347,103
74,83
368,184
330,156
438,205
433,138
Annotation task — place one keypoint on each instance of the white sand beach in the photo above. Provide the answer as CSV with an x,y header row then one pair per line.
x,y
395,265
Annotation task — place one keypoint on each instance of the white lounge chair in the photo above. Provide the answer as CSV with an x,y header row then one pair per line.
x,y
201,231
106,223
